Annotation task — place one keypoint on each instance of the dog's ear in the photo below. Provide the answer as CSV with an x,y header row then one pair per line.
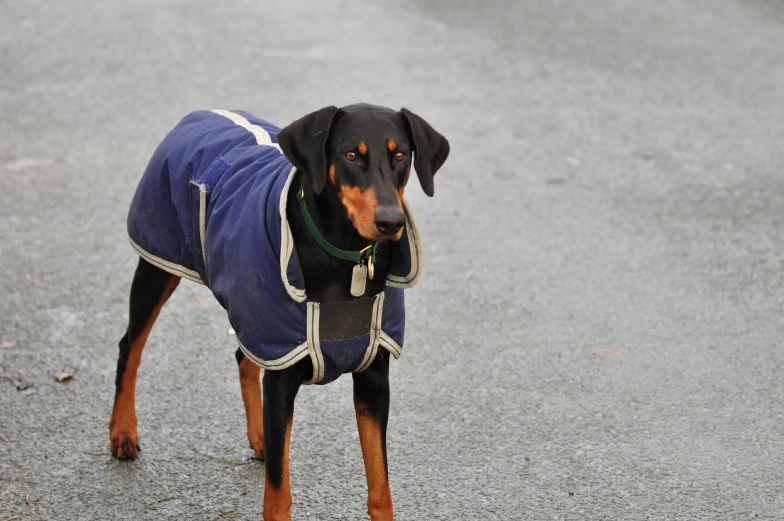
x,y
430,148
304,142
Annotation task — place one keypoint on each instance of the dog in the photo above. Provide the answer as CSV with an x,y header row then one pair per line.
x,y
304,237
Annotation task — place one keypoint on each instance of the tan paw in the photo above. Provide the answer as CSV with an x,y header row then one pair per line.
x,y
257,444
125,445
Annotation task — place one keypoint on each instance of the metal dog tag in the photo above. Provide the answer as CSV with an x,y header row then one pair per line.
x,y
358,280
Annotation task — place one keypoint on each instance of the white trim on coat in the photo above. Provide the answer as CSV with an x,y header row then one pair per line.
x,y
174,269
416,253
297,354
388,343
314,345
261,135
375,334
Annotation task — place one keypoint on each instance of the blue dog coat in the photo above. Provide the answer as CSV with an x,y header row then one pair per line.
x,y
211,208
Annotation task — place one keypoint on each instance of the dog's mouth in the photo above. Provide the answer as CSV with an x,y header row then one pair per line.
x,y
367,229
381,238
393,237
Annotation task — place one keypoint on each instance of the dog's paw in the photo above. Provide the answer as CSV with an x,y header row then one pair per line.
x,y
125,446
258,448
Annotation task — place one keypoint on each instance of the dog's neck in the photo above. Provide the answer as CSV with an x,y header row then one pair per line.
x,y
327,278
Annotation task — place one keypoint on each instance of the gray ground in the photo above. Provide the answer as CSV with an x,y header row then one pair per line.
x,y
597,333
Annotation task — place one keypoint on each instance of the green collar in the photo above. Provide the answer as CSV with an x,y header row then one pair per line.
x,y
355,256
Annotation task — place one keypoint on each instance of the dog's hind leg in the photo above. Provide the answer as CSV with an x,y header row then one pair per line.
x,y
150,289
251,397
371,404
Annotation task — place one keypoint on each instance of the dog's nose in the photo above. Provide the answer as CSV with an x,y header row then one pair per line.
x,y
389,222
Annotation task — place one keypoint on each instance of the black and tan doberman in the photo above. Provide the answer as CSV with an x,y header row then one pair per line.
x,y
353,164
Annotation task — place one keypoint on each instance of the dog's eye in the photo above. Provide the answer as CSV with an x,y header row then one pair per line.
x,y
351,156
400,156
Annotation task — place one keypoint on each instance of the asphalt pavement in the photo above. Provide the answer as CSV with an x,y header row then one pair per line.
x,y
597,334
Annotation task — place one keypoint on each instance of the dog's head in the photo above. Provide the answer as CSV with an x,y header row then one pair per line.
x,y
364,153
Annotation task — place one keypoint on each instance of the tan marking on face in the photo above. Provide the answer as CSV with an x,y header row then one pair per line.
x,y
332,174
362,147
361,207
392,145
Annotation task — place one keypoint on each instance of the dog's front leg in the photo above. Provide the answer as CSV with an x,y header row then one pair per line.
x,y
280,389
371,404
